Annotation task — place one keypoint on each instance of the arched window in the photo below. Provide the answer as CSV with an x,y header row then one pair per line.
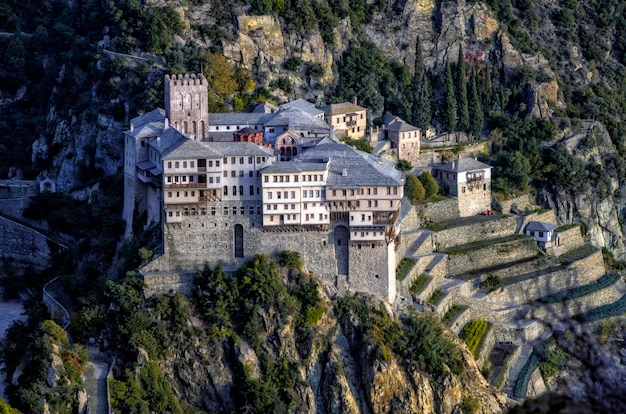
x,y
241,190
234,190
251,190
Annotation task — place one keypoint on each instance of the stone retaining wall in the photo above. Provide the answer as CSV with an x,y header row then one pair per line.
x,y
22,244
491,229
436,212
579,273
565,241
168,282
492,255
569,308
521,203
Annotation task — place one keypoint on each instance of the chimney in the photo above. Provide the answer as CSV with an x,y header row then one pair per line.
x,y
132,127
344,172
355,101
166,124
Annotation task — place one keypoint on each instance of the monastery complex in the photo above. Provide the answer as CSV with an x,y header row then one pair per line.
x,y
227,186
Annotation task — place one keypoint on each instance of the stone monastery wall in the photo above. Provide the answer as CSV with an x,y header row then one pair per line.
x,y
371,265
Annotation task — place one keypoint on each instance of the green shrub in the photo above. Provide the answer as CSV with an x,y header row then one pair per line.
x,y
293,64
470,405
452,313
419,284
404,267
436,297
491,283
404,165
290,259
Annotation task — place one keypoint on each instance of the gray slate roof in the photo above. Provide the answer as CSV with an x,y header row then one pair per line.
x,y
363,169
240,118
190,149
540,226
341,108
296,119
148,125
238,149
462,165
304,106
400,126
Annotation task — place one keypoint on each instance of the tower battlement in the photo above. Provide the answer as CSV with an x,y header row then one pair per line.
x,y
186,104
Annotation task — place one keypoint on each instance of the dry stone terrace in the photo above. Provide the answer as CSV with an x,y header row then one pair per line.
x,y
458,254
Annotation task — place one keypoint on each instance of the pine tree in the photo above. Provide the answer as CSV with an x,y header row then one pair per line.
x,y
477,115
461,92
449,112
421,107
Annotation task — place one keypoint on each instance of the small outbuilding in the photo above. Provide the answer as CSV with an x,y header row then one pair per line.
x,y
542,232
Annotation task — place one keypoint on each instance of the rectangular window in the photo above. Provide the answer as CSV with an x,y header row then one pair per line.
x,y
232,160
210,180
169,164
184,178
375,191
305,207
285,194
241,173
176,164
169,179
217,163
250,173
241,160
225,160
225,174
169,193
269,195
266,179
293,194
295,178
184,164
210,163
217,179
278,194
250,160
233,173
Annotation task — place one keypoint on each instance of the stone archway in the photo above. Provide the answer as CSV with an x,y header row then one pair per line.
x,y
342,240
238,240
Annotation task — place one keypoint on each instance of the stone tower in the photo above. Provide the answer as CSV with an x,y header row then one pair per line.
x,y
186,104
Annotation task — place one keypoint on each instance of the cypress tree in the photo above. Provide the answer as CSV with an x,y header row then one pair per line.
x,y
449,113
429,183
414,189
420,88
461,92
477,115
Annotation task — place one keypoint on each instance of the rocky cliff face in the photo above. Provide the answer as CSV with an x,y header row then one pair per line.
x,y
337,370
599,209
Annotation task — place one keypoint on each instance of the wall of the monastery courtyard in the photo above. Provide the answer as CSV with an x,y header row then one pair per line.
x,y
493,255
18,188
410,231
444,210
211,239
475,201
455,236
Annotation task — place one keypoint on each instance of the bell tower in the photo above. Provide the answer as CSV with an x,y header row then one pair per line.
x,y
186,104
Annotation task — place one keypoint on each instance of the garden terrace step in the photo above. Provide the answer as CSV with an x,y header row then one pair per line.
x,y
473,229
489,253
422,245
